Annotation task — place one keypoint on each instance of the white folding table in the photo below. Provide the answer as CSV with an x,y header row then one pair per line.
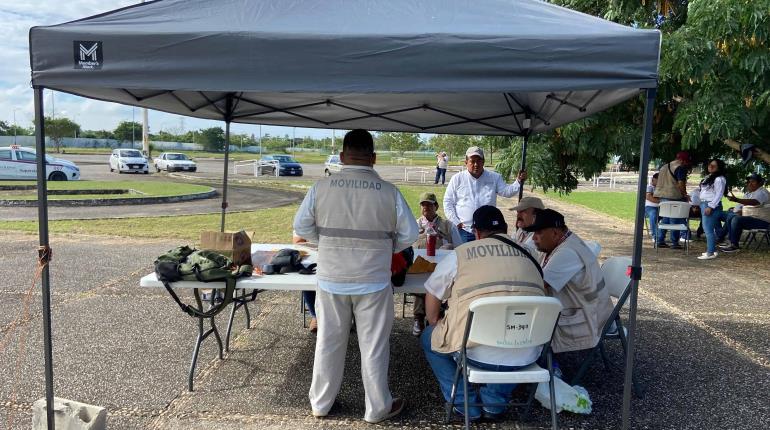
x,y
414,284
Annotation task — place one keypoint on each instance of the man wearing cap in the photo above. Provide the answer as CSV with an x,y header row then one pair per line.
x,y
735,222
672,186
571,274
525,216
447,237
492,266
359,221
473,188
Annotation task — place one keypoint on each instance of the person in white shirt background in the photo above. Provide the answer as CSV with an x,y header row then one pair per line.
x,y
473,188
735,222
711,190
441,166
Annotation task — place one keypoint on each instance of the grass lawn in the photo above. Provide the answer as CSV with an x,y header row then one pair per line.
x,y
615,203
144,188
269,225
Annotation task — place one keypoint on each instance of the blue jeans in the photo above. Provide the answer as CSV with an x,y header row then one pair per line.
x,y
739,223
309,298
674,233
440,173
711,226
726,218
444,367
652,215
466,236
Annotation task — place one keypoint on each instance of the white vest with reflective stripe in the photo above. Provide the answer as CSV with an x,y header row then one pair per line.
x,y
485,268
355,212
587,304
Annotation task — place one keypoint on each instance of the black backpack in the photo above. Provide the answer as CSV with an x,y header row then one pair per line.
x,y
187,264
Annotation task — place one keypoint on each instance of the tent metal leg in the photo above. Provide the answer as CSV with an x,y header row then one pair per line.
x,y
524,161
44,250
229,110
636,261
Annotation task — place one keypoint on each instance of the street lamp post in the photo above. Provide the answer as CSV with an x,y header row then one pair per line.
x,y
14,126
133,126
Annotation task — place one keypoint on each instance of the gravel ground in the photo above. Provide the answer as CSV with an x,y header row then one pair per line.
x,y
703,350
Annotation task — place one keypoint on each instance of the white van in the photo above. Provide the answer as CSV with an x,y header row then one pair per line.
x,y
18,162
128,160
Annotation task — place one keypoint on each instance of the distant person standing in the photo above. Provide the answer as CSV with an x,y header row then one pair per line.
x,y
672,186
652,206
441,166
473,188
711,190
359,221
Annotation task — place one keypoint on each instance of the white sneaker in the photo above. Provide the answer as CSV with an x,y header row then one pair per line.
x,y
707,256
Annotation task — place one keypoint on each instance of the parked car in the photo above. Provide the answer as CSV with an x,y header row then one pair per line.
x,y
173,161
128,160
332,165
18,162
286,165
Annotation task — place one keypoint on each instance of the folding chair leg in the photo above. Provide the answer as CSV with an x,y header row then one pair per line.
x,y
403,308
530,399
584,367
451,403
604,355
303,309
623,342
465,394
552,392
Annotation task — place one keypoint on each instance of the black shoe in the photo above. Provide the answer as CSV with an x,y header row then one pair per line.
x,y
731,248
676,246
492,417
663,245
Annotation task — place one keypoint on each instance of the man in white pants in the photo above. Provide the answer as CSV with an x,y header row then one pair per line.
x,y
359,221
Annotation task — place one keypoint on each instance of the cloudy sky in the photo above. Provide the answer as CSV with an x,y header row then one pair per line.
x,y
16,93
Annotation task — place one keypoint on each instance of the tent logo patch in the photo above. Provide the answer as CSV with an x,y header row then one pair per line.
x,y
89,54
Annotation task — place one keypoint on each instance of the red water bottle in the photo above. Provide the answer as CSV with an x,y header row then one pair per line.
x,y
431,249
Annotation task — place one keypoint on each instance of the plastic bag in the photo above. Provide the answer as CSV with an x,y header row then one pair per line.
x,y
568,398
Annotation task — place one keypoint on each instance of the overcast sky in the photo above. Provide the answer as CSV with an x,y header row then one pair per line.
x,y
16,93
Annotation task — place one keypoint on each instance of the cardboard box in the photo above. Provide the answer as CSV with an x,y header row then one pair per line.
x,y
235,245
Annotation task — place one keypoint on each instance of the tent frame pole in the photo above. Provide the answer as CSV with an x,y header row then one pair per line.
x,y
527,132
228,119
44,251
636,261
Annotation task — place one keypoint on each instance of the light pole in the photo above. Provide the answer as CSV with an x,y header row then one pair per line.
x,y
133,126
14,126
260,140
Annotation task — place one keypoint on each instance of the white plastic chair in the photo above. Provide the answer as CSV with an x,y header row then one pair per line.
x,y
675,210
509,322
618,284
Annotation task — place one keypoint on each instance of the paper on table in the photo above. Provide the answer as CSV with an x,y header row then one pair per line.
x,y
422,265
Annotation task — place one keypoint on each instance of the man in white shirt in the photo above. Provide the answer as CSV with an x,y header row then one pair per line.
x,y
756,195
473,188
471,272
358,221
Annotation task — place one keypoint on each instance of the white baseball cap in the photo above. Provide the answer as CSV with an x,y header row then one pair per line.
x,y
474,150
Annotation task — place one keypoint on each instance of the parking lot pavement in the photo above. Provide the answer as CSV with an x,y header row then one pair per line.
x,y
702,348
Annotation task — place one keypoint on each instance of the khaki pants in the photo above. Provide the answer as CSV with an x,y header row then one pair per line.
x,y
419,306
374,320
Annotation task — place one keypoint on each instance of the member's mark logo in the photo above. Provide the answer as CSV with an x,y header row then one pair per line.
x,y
88,54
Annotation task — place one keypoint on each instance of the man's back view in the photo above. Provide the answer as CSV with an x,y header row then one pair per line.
x,y
358,221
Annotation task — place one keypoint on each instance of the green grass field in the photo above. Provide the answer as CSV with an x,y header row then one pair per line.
x,y
269,225
143,188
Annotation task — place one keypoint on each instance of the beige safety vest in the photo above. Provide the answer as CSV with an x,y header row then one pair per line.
x,y
485,268
587,304
667,184
355,212
444,228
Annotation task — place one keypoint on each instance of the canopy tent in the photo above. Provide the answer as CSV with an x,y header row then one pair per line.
x,y
491,67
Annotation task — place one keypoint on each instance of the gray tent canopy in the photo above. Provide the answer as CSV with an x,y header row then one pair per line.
x,y
439,66
488,67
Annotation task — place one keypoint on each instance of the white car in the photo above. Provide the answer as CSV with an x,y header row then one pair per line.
x,y
332,165
171,161
128,160
17,162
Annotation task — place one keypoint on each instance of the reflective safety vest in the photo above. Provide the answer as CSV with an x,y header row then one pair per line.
x,y
355,212
586,304
485,268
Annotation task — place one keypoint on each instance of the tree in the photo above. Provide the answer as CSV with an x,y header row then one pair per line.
x,y
212,139
714,91
398,142
59,128
128,131
7,129
454,145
